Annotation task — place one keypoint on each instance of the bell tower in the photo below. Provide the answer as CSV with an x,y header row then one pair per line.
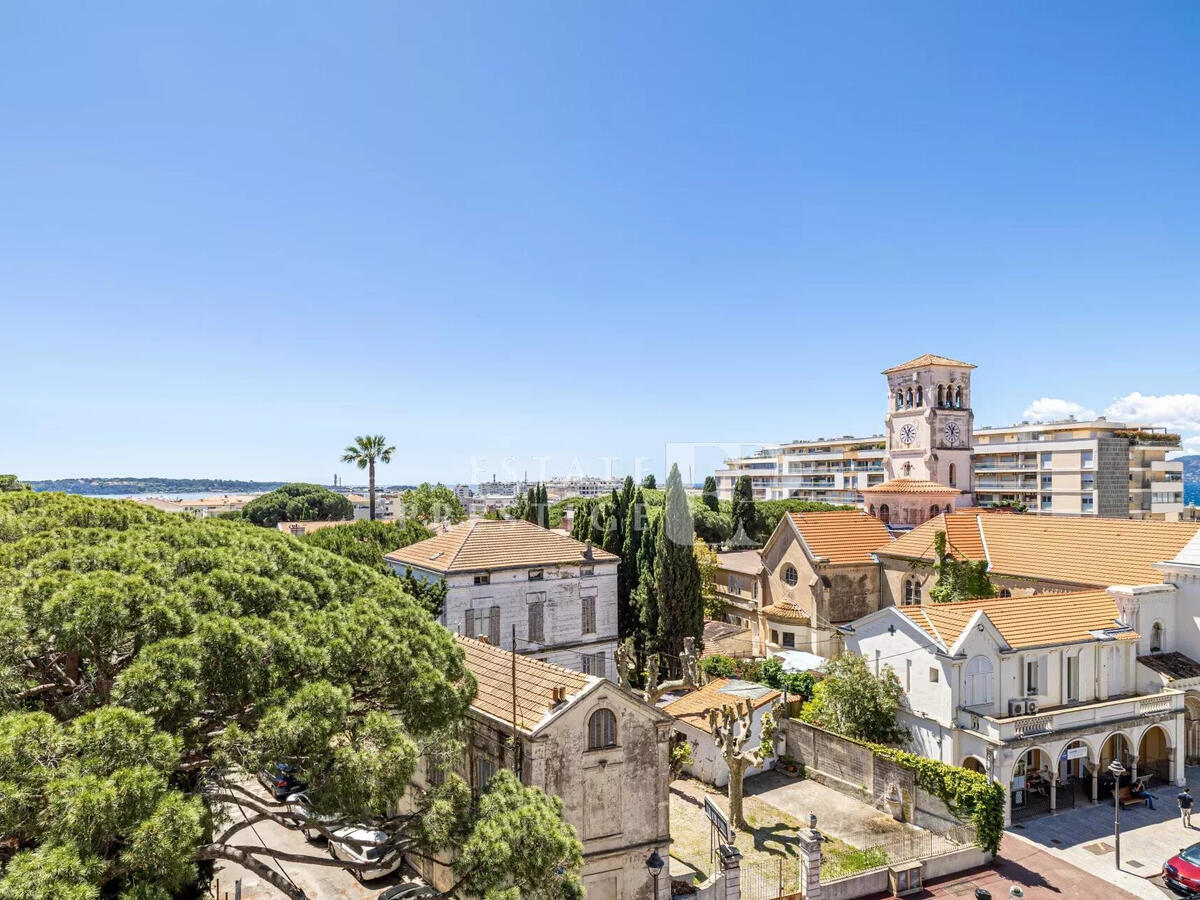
x,y
929,424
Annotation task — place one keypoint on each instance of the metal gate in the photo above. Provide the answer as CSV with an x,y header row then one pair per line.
x,y
769,879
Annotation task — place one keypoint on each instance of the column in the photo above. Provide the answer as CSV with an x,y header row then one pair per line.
x,y
1133,761
1096,783
731,871
810,863
1053,792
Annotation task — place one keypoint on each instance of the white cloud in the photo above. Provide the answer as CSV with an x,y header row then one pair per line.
x,y
1049,409
1191,444
1178,411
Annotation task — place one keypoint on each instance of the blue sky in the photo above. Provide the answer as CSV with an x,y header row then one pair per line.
x,y
236,235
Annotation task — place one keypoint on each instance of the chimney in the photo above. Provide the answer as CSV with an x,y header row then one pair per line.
x,y
483,638
587,552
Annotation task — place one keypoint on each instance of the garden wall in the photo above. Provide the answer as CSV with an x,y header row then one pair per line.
x,y
854,770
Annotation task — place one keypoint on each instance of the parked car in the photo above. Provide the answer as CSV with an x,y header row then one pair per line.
x,y
280,779
299,804
1182,871
385,860
408,891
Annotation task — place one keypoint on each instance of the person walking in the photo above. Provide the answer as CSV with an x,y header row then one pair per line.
x,y
1185,806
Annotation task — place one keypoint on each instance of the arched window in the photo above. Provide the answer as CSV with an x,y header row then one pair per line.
x,y
933,511
872,510
907,469
979,681
953,475
912,592
958,397
947,510
908,399
1005,592
885,514
899,399
602,730
1156,638
790,576
941,395
920,395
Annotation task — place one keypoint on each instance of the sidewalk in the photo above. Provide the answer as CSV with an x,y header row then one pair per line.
x,y
1084,837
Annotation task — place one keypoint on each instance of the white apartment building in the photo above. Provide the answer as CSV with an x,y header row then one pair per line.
x,y
1098,468
1041,693
581,486
557,594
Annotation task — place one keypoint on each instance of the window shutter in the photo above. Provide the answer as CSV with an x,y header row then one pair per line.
x,y
469,624
1043,675
536,631
494,626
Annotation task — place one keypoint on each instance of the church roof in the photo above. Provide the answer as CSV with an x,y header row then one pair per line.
x,y
1067,549
910,486
929,359
842,536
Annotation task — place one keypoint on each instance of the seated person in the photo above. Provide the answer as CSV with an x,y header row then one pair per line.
x,y
1138,789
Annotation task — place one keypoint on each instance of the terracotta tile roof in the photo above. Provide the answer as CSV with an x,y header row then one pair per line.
x,y
536,681
1066,549
929,359
1175,666
845,536
1036,621
483,544
300,528
745,562
786,611
694,706
726,639
910,486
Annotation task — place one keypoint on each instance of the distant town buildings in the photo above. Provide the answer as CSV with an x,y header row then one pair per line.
x,y
202,507
1095,468
507,578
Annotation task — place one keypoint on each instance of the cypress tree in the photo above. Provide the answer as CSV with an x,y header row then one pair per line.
x,y
543,506
646,640
710,493
531,505
745,516
627,571
676,573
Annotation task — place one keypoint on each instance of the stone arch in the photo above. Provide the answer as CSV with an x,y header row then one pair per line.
x,y
899,399
872,510
885,514
908,399
1025,781
933,511
941,395
1116,745
948,510
1154,752
1157,632
920,395
974,764
958,398
1080,767
1191,727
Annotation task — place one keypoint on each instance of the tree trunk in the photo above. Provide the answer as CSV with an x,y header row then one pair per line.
x,y
372,477
737,770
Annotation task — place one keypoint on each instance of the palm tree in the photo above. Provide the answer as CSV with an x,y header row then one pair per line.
x,y
363,453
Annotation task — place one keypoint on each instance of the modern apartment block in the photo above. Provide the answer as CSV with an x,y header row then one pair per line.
x,y
1098,468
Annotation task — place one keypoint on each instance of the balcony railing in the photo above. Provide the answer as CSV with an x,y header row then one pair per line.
x,y
1074,716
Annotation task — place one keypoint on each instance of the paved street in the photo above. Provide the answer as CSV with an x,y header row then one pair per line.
x,y
1084,837
319,882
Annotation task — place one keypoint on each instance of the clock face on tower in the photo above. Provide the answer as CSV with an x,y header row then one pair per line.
x,y
953,433
908,434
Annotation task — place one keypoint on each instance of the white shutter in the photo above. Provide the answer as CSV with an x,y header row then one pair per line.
x,y
494,626
1043,687
469,624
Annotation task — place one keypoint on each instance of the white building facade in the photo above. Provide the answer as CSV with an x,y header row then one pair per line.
x,y
557,596
1041,693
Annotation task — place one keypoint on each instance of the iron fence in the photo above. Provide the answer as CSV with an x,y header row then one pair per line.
x,y
769,879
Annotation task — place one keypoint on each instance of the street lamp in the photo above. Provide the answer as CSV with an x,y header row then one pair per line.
x,y
1117,770
654,865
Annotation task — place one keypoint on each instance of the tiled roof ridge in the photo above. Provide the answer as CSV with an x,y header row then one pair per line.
x,y
1047,595
487,647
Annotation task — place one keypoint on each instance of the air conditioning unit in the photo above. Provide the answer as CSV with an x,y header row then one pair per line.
x,y
1017,706
1030,707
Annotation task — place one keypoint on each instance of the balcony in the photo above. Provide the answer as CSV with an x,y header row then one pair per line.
x,y
982,484
1049,720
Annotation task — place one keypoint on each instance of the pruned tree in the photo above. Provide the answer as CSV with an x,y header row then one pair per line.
x,y
653,689
732,728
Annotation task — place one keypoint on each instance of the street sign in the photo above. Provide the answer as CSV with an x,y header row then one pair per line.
x,y
1075,753
718,819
